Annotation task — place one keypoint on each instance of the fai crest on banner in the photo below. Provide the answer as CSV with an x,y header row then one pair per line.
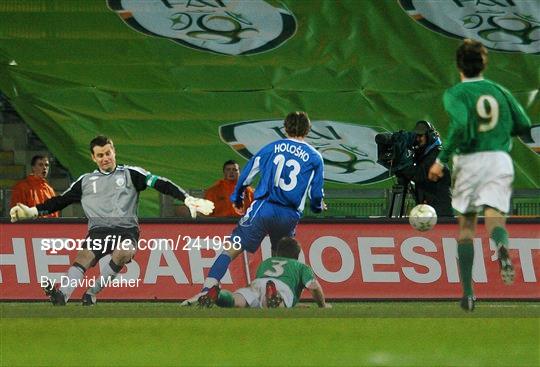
x,y
533,141
230,27
349,151
503,25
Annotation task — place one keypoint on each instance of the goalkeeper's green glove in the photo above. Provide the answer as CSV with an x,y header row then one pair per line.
x,y
195,205
21,211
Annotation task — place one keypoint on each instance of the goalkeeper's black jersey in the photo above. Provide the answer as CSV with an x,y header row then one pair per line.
x,y
111,199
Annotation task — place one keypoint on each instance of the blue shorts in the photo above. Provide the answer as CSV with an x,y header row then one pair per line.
x,y
265,218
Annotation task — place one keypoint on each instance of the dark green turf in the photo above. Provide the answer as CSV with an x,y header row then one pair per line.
x,y
342,310
352,334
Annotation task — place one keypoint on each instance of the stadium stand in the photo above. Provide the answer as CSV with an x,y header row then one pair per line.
x,y
18,144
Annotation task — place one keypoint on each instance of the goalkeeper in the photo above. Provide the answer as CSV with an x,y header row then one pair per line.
x,y
109,197
279,283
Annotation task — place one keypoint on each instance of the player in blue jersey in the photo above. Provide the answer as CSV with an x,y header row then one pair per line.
x,y
290,169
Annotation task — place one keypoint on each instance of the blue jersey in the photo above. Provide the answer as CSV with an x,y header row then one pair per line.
x,y
289,171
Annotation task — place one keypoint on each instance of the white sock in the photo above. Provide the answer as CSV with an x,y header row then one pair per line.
x,y
210,282
74,274
107,274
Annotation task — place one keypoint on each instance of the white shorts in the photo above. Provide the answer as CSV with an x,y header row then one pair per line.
x,y
480,179
255,295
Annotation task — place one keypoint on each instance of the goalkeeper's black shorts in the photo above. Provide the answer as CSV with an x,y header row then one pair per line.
x,y
103,241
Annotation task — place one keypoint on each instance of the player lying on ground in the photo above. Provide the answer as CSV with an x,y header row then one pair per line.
x,y
483,118
279,282
290,170
109,197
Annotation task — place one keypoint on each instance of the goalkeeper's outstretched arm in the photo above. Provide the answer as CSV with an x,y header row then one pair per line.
x,y
142,179
71,195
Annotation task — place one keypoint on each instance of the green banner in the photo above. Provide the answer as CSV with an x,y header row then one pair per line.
x,y
183,85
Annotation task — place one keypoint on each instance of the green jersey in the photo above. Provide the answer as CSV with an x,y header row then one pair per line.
x,y
290,271
483,117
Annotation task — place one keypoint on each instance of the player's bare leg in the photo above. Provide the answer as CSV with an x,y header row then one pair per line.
x,y
239,301
119,258
59,296
495,226
467,229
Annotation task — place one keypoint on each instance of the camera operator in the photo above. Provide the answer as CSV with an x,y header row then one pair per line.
x,y
426,147
409,155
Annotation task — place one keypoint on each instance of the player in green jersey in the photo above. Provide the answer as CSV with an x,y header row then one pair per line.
x,y
279,282
483,118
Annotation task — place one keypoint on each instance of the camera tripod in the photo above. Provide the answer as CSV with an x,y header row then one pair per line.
x,y
398,194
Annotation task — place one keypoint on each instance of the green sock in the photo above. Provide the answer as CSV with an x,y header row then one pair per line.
x,y
500,236
466,256
225,299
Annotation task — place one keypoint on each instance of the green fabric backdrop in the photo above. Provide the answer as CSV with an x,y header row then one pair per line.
x,y
74,68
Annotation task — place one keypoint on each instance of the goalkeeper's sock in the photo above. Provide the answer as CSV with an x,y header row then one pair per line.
x,y
109,272
500,236
217,271
225,299
75,274
466,257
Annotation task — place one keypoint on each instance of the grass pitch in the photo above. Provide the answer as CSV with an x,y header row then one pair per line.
x,y
350,334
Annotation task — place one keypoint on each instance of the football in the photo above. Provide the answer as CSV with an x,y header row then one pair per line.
x,y
423,217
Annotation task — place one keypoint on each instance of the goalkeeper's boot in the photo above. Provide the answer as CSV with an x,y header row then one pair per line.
x,y
273,298
467,303
209,298
55,295
88,300
505,264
